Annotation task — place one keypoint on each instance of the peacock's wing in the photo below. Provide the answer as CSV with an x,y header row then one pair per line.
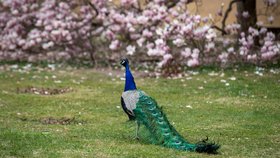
x,y
125,109
129,100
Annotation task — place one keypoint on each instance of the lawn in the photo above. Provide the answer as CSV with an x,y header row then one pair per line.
x,y
83,118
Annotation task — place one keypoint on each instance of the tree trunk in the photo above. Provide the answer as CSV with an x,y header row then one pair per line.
x,y
250,7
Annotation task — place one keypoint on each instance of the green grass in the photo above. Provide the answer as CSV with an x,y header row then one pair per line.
x,y
243,117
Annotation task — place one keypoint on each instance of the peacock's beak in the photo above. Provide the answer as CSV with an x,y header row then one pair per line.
x,y
122,62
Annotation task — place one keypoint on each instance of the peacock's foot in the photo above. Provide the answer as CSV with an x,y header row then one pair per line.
x,y
136,138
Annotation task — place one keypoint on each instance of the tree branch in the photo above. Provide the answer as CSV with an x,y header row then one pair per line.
x,y
219,29
228,11
172,3
93,7
222,29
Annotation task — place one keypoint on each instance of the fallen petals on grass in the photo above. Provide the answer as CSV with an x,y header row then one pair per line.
x,y
44,91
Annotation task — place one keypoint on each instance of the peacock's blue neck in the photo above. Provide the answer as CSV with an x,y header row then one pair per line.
x,y
129,80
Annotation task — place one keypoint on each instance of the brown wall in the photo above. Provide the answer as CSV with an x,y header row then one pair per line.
x,y
276,14
207,7
210,7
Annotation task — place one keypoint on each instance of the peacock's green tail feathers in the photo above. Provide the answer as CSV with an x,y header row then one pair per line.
x,y
162,132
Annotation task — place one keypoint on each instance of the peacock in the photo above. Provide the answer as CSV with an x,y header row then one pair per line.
x,y
145,111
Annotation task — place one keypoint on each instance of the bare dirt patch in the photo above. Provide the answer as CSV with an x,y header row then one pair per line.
x,y
44,91
58,121
54,120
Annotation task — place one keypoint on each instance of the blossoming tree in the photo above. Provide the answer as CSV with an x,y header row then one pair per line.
x,y
162,30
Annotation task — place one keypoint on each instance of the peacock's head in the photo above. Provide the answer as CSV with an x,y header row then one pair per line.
x,y
124,62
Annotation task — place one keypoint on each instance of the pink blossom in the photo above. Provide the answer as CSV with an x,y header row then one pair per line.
x,y
193,62
231,28
179,42
21,42
220,11
114,45
243,51
253,31
119,18
197,18
226,42
259,23
160,42
152,52
200,32
209,46
186,52
252,57
230,50
270,19
142,19
147,33
110,35
195,53
174,12
135,36
156,52
166,58
263,30
150,45
211,34
268,55
270,2
131,28
128,3
140,41
48,27
223,57
130,50
245,14
186,29
115,28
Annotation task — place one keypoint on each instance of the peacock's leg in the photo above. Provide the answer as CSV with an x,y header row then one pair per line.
x,y
137,130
